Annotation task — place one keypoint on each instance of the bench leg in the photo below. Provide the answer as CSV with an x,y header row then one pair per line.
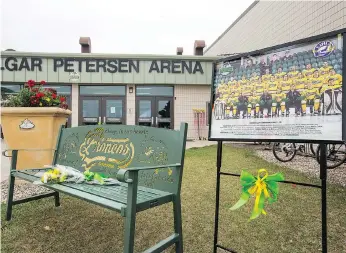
x,y
10,197
178,225
57,199
130,226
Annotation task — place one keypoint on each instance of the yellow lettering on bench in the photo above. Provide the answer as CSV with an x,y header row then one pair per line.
x,y
95,142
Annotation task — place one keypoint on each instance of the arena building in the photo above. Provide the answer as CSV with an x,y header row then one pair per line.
x,y
268,23
149,90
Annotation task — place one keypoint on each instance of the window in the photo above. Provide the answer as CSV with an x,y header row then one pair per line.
x,y
154,91
60,89
103,90
8,89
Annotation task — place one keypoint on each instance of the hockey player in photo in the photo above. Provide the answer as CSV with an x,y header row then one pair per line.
x,y
317,81
293,100
254,77
332,97
259,86
232,82
265,103
300,82
311,99
308,71
293,74
267,76
337,78
285,84
280,102
272,85
324,70
253,104
242,105
280,74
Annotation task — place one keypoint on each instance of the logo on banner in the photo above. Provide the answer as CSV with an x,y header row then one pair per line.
x,y
226,69
323,49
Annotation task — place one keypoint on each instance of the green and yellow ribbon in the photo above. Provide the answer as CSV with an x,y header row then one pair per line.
x,y
263,187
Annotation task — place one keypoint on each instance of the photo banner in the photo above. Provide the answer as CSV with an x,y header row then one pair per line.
x,y
285,93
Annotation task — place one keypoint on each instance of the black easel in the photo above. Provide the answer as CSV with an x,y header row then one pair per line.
x,y
323,187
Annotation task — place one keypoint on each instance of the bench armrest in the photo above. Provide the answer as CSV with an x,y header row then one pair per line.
x,y
122,172
26,149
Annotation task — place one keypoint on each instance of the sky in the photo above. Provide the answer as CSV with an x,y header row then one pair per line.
x,y
118,27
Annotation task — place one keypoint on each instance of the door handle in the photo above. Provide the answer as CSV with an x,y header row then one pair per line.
x,y
104,120
152,121
99,121
156,121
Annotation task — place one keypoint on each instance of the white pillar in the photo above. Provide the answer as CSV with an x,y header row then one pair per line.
x,y
130,105
74,104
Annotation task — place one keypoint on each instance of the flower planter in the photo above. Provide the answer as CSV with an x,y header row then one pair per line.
x,y
32,128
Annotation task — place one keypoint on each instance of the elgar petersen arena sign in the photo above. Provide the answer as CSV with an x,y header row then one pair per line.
x,y
105,65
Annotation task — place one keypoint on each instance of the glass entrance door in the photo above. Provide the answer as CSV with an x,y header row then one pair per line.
x,y
102,110
90,112
113,110
145,108
155,112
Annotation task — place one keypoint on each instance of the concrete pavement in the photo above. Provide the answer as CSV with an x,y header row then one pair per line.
x,y
5,161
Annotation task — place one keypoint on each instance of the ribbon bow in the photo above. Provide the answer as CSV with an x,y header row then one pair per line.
x,y
263,187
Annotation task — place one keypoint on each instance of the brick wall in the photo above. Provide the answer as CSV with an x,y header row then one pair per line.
x,y
189,97
271,23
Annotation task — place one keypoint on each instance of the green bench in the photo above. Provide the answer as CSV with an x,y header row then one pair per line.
x,y
147,161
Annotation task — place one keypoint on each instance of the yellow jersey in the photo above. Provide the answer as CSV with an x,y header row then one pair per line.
x,y
272,86
254,99
337,79
259,88
317,82
280,75
232,83
300,83
311,93
266,78
254,79
243,81
324,71
278,97
308,72
286,85
330,87
293,74
248,89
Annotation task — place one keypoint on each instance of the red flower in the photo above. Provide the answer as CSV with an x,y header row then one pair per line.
x,y
62,99
64,106
43,82
54,96
39,95
31,83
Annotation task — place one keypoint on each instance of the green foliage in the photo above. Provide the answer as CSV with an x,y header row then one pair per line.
x,y
34,95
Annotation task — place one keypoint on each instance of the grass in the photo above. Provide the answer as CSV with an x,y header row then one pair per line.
x,y
292,224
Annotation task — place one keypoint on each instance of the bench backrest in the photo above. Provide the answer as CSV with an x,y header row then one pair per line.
x,y
108,148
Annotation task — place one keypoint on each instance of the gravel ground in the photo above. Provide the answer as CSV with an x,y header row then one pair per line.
x,y
307,165
22,189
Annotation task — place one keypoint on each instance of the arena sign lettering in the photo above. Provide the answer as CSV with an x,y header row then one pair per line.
x,y
104,65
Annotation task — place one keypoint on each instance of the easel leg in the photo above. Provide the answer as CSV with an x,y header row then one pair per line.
x,y
217,198
323,177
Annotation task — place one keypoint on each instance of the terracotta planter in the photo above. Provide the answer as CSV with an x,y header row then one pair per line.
x,y
32,128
